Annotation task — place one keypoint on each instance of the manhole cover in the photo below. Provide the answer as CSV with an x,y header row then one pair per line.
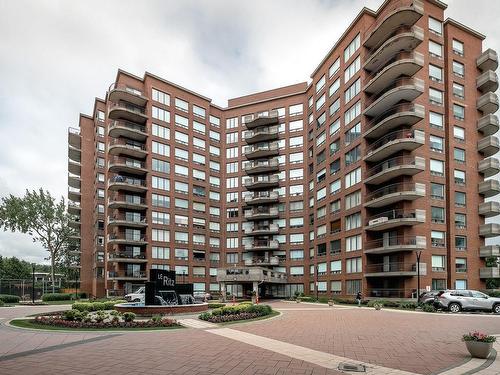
x,y
351,367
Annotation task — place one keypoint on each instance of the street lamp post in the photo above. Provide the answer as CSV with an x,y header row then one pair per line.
x,y
418,253
33,286
317,282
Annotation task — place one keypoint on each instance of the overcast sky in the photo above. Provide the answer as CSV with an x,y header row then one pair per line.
x,y
56,56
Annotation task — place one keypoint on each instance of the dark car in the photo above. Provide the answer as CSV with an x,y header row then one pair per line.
x,y
428,297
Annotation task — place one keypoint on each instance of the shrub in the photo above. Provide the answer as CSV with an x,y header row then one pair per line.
x,y
408,305
71,315
98,306
115,316
491,293
100,316
215,305
348,301
245,303
428,307
238,312
156,318
2,304
323,299
57,297
82,306
8,298
128,316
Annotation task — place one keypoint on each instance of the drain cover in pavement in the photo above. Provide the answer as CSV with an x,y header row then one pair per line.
x,y
351,367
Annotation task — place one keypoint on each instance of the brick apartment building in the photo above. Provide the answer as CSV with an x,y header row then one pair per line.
x,y
329,187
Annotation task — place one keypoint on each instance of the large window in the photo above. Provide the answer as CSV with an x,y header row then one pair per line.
x,y
160,97
352,69
160,114
352,47
353,265
353,178
334,68
435,49
352,113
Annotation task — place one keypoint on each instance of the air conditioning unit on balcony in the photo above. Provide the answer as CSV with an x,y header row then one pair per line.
x,y
378,220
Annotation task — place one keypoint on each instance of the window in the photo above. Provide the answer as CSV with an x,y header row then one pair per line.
x,y
335,186
215,121
334,127
459,177
334,68
459,133
157,200
182,204
353,90
297,157
435,96
181,187
297,238
160,148
458,69
296,254
438,284
160,252
353,178
334,87
352,134
215,136
232,137
160,183
435,49
353,155
199,159
181,138
458,47
320,102
437,191
160,97
181,237
438,263
161,131
435,26
181,104
335,107
181,170
335,166
232,167
353,200
353,265
297,271
459,155
436,143
460,199
352,48
352,286
353,221
295,110
232,152
321,194
160,114
458,90
461,284
460,221
296,190
353,243
296,206
352,113
199,127
160,235
437,215
352,69
458,112
198,111
436,120
437,238
336,266
437,167
160,166
460,242
181,254
296,125
320,84
435,73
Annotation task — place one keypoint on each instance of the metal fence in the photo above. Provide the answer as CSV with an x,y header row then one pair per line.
x,y
24,287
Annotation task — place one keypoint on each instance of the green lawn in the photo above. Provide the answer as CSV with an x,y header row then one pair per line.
x,y
30,323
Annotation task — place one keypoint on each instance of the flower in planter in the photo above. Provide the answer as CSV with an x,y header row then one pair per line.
x,y
478,336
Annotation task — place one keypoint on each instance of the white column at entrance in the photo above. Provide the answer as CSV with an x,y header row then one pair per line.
x,y
223,291
256,291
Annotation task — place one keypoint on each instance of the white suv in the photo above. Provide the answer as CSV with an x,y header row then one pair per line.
x,y
457,300
138,296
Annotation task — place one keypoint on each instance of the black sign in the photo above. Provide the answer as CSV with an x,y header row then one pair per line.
x,y
162,284
164,280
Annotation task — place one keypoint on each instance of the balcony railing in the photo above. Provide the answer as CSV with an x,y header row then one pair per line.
x,y
124,87
395,267
127,162
407,161
129,218
404,108
411,187
261,164
126,255
398,242
261,212
391,293
408,134
262,196
128,125
261,261
127,180
127,274
398,83
129,107
396,214
265,131
127,144
417,57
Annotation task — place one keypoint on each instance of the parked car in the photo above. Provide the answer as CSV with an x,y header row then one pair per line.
x,y
138,296
201,296
457,300
428,297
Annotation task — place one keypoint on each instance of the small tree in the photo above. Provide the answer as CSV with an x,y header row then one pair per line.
x,y
45,220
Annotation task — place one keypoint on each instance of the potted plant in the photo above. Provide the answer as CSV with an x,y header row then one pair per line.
x,y
297,296
377,305
479,344
330,302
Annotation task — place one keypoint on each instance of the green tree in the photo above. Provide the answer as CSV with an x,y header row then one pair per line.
x,y
45,220
14,268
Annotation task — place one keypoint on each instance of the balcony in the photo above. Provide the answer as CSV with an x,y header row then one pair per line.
x,y
120,146
404,191
74,138
395,218
489,188
402,89
395,244
74,208
261,182
127,129
487,81
402,64
488,103
262,166
259,198
128,220
272,261
74,222
74,181
127,202
74,154
74,195
74,167
262,230
120,91
262,213
489,209
489,145
121,238
489,273
127,111
489,230
125,165
244,274
127,276
489,167
394,269
489,251
262,119
393,168
127,258
488,124
261,134
400,39
488,60
399,13
127,183
406,114
261,151
400,140
391,293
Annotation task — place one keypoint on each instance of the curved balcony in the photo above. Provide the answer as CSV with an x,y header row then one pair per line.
x,y
127,276
489,188
487,81
261,151
262,166
400,39
489,209
262,213
74,195
74,222
261,261
74,181
263,134
262,245
404,191
405,114
395,218
127,183
262,230
120,146
401,140
127,111
261,182
258,120
489,273
488,103
120,91
402,89
132,221
127,202
126,258
489,251
74,208
74,167
124,239
395,244
398,13
403,64
489,230
262,197
489,167
488,124
125,165
393,168
127,129
74,138
394,269
488,145
488,60
74,154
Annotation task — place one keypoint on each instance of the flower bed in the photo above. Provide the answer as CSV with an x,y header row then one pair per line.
x,y
234,313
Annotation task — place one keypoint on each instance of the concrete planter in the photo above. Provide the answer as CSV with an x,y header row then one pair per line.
x,y
478,349
330,303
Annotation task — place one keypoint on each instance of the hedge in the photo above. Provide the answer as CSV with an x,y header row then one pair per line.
x,y
95,306
238,312
2,304
216,305
8,298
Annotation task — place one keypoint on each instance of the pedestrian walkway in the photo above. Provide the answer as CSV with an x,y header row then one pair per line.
x,y
196,323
